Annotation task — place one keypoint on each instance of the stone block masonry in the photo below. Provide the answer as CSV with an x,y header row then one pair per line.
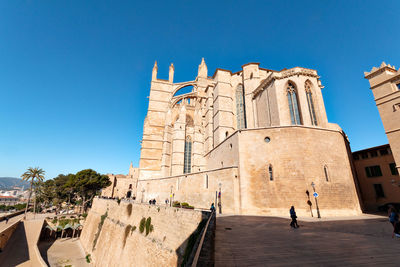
x,y
120,242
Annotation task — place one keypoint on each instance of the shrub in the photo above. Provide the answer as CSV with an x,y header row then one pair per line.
x,y
142,225
129,209
133,229
118,201
84,215
184,204
88,258
176,204
54,221
148,223
64,222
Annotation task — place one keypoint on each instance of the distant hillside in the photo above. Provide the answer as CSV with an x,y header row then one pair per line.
x,y
10,182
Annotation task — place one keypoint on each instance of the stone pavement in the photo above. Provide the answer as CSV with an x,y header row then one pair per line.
x,y
269,241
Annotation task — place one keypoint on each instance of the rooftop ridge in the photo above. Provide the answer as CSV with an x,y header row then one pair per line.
x,y
382,68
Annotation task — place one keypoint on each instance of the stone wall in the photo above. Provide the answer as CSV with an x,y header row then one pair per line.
x,y
297,156
7,233
164,246
197,189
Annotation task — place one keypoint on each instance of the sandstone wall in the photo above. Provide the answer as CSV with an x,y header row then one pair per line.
x,y
117,245
7,233
297,156
198,189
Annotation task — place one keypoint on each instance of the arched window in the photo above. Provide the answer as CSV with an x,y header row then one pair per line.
x,y
240,109
310,103
187,163
270,173
293,105
326,173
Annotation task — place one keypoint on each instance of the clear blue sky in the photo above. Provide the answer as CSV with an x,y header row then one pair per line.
x,y
74,75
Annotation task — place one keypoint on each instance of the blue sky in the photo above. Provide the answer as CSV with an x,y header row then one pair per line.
x,y
75,75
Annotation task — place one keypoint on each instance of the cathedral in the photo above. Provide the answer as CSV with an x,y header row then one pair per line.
x,y
256,141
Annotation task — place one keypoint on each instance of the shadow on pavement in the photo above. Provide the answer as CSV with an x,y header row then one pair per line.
x,y
43,248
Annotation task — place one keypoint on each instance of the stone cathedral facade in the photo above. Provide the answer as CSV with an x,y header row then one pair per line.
x,y
258,138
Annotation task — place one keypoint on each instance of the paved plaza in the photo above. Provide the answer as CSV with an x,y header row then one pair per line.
x,y
269,241
63,252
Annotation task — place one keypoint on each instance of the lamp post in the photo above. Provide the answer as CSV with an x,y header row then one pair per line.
x,y
219,199
316,201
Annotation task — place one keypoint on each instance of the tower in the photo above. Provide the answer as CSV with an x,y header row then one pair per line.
x,y
385,85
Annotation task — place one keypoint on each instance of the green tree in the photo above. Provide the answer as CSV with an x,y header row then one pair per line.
x,y
64,189
45,192
87,184
32,174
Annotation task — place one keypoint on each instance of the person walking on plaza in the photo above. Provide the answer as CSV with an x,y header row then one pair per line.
x,y
394,220
212,209
6,219
293,215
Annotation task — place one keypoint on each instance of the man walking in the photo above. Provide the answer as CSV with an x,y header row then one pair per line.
x,y
293,215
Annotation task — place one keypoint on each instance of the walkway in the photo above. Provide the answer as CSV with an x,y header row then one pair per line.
x,y
269,241
4,225
19,250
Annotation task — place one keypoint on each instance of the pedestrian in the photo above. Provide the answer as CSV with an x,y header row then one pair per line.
x,y
394,220
154,201
150,201
212,209
166,202
6,219
293,215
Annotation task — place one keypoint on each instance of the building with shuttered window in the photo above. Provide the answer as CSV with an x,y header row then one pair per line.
x,y
378,177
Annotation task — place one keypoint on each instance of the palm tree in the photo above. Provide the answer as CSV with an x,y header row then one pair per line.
x,y
32,174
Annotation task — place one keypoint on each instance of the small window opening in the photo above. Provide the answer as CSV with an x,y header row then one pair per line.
x,y
206,182
270,173
326,173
